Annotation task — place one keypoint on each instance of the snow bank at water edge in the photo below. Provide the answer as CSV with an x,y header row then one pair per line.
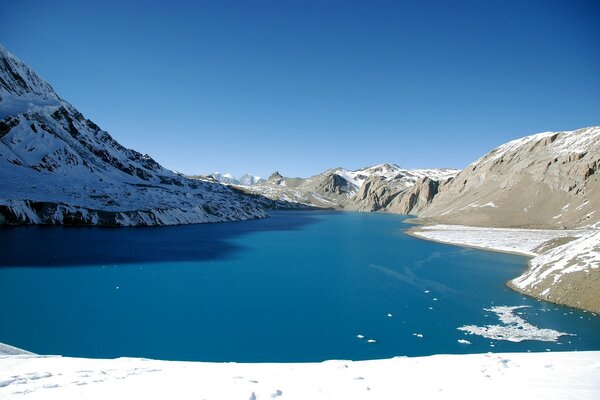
x,y
522,241
566,264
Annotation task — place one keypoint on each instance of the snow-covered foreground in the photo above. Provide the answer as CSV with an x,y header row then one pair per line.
x,y
568,375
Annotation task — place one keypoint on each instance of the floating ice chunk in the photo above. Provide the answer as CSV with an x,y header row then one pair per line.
x,y
390,315
360,336
116,287
463,341
514,328
371,341
427,291
420,335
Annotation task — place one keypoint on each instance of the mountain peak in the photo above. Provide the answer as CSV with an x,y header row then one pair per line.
x,y
21,89
275,175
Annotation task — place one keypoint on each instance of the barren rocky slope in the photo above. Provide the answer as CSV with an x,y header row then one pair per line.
x,y
57,167
548,180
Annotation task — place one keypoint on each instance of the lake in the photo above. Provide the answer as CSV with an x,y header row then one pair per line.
x,y
299,286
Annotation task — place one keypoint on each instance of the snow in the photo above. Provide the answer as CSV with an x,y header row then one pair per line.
x,y
513,328
510,147
555,375
13,105
229,179
522,241
579,255
547,267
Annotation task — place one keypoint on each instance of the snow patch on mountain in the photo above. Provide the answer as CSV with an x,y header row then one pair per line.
x,y
244,180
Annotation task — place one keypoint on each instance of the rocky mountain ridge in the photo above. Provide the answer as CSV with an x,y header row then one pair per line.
x,y
383,187
547,180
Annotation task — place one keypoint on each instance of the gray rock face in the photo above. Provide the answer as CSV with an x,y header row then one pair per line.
x,y
548,180
396,195
417,197
275,177
335,185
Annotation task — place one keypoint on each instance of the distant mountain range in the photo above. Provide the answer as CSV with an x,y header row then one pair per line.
x,y
383,187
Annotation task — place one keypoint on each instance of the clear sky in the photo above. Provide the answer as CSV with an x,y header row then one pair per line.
x,y
303,86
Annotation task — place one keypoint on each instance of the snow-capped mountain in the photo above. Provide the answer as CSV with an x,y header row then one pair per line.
x,y
57,167
249,180
229,179
224,178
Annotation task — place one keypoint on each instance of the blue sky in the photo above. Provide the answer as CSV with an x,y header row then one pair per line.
x,y
303,86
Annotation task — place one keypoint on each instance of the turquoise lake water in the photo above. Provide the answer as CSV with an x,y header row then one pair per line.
x,y
299,286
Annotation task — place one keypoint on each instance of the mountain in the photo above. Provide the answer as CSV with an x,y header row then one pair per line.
x,y
548,180
57,167
249,180
383,187
225,178
229,179
399,190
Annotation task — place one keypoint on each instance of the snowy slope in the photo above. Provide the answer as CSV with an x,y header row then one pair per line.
x,y
556,375
57,167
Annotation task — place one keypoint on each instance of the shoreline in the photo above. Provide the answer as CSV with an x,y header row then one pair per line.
x,y
556,271
414,233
